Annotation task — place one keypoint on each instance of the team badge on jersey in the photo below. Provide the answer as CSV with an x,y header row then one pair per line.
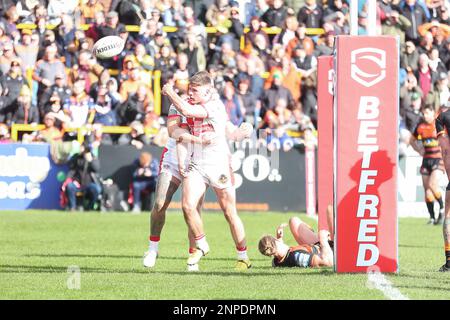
x,y
223,179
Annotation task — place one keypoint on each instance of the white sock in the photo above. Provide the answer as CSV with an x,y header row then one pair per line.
x,y
202,244
153,246
242,254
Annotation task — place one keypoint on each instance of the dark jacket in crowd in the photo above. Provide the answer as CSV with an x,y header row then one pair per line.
x,y
271,96
132,109
152,167
82,171
275,17
19,114
312,18
417,16
13,85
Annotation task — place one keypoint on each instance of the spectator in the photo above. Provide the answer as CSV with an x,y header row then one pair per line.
x,y
218,12
104,112
27,50
396,25
137,136
22,111
250,104
94,28
51,133
255,30
57,8
47,69
144,178
135,107
195,53
407,90
59,88
112,26
7,57
79,107
131,85
311,14
232,105
305,63
65,37
415,13
435,63
300,39
412,115
83,176
276,92
425,76
410,57
13,81
439,94
10,21
89,9
326,46
86,67
181,75
288,33
4,134
276,15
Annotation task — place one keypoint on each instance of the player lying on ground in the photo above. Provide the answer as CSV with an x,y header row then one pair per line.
x,y
424,141
172,165
442,128
312,251
209,165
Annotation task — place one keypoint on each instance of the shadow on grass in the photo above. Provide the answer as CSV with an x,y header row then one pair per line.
x,y
253,272
113,256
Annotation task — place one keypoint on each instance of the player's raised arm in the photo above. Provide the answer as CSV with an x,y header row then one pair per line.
x,y
183,106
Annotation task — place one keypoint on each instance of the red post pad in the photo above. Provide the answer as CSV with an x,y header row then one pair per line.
x,y
366,138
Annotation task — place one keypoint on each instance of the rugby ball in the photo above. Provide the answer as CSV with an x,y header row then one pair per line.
x,y
108,47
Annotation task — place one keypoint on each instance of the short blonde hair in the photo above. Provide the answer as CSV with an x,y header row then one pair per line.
x,y
267,245
201,78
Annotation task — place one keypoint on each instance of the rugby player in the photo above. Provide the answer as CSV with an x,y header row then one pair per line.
x,y
172,167
169,180
424,141
442,128
318,253
210,165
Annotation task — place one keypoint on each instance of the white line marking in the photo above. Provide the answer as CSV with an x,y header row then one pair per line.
x,y
377,280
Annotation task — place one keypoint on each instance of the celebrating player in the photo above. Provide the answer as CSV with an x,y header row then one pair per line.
x,y
172,165
442,128
169,180
432,165
210,165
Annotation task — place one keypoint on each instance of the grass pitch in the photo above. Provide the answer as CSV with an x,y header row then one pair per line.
x,y
37,247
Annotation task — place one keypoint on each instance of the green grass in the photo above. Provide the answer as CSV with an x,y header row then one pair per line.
x,y
37,247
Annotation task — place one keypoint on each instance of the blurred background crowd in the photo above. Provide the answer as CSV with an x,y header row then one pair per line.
x,y
262,54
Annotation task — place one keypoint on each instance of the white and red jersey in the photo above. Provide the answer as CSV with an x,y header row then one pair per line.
x,y
169,159
213,161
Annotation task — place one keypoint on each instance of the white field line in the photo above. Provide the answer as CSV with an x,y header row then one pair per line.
x,y
377,280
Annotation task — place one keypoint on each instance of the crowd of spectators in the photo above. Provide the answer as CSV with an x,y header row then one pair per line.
x,y
70,88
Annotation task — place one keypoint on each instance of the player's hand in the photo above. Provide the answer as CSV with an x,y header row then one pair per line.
x,y
207,138
182,169
280,232
167,89
246,129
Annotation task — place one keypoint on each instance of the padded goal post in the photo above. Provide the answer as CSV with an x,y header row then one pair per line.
x,y
364,151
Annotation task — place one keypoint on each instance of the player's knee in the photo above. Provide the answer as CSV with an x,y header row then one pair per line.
x,y
158,208
294,222
188,208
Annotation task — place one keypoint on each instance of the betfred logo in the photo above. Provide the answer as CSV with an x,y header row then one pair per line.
x,y
363,71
